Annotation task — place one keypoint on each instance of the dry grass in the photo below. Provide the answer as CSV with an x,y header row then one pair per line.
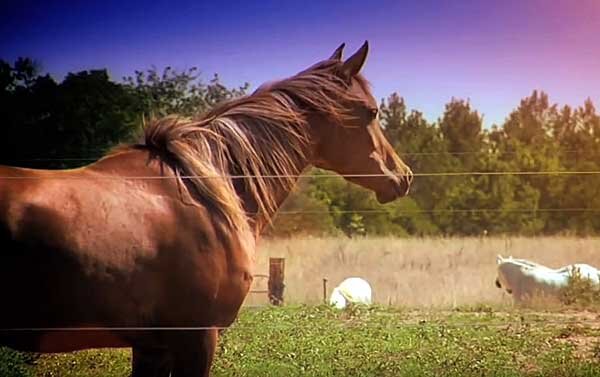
x,y
416,272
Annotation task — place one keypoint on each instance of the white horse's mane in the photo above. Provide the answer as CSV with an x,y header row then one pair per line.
x,y
523,263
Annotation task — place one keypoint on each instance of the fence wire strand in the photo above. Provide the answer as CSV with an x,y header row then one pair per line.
x,y
299,176
341,323
403,154
360,211
447,210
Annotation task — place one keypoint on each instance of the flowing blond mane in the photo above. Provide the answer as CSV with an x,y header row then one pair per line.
x,y
261,139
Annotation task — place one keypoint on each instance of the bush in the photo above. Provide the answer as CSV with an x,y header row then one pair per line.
x,y
14,364
580,292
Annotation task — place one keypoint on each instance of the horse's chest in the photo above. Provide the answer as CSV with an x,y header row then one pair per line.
x,y
220,282
235,283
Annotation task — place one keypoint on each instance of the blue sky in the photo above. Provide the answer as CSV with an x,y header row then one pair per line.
x,y
491,52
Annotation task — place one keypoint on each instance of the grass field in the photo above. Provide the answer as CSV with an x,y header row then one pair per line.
x,y
446,317
318,341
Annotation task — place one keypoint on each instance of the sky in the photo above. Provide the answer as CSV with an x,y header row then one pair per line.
x,y
491,52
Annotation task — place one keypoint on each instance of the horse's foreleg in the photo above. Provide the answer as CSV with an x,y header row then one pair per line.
x,y
193,353
151,362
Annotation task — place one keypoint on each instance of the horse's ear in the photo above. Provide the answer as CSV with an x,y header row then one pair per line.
x,y
354,64
337,54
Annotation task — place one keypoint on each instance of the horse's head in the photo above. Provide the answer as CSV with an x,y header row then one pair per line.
x,y
353,144
516,274
506,271
501,283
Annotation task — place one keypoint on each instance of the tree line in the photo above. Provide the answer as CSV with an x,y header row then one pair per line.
x,y
50,124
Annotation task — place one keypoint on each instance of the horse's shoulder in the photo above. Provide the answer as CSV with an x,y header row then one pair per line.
x,y
26,221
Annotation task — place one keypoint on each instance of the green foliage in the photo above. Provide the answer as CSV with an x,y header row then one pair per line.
x,y
175,92
14,364
535,137
581,292
57,125
46,124
352,209
462,128
302,214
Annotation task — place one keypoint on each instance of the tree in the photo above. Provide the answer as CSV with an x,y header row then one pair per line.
x,y
61,125
578,134
393,116
52,125
173,92
531,123
462,129
527,142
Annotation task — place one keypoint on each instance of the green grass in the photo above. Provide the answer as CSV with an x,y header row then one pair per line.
x,y
319,341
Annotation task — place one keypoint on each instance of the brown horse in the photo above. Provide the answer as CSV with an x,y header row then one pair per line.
x,y
161,235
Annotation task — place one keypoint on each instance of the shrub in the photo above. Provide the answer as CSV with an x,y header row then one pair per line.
x,y
14,364
580,292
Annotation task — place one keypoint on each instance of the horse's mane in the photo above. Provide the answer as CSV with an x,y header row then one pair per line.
x,y
259,138
526,263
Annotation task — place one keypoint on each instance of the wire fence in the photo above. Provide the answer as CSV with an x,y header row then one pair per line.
x,y
405,154
97,176
395,212
401,322
347,324
448,210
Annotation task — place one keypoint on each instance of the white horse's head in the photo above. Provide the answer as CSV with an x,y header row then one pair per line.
x,y
501,278
512,272
337,299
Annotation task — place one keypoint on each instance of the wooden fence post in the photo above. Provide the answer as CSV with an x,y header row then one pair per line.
x,y
325,290
276,278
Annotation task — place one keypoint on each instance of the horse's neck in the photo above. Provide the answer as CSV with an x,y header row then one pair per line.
x,y
259,221
300,153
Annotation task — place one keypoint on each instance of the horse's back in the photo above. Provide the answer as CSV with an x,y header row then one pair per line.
x,y
356,290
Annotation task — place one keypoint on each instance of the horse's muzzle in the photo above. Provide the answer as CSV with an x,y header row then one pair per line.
x,y
399,186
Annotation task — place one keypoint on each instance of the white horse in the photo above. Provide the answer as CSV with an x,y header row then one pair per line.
x,y
352,290
525,279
